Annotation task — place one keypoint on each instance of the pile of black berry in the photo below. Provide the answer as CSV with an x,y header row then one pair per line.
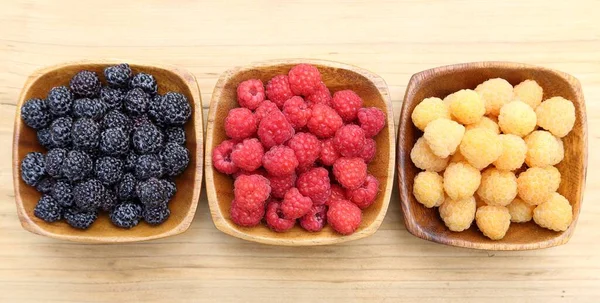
x,y
112,148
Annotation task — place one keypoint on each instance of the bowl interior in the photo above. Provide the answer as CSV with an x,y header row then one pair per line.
x,y
183,204
426,223
374,93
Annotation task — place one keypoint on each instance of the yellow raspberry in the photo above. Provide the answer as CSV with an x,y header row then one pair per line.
x,y
428,110
543,149
495,93
517,118
513,154
423,158
461,180
486,123
555,214
529,92
466,106
557,115
536,184
429,189
481,147
458,214
493,221
443,136
497,187
520,211
457,157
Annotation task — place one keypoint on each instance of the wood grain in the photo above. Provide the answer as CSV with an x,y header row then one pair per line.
x,y
394,39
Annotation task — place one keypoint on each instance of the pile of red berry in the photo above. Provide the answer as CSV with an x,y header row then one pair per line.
x,y
299,154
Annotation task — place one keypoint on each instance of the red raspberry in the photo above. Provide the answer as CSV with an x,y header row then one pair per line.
x,y
315,219
344,216
278,90
295,205
275,219
248,154
304,79
263,110
307,149
349,140
315,184
350,172
328,152
244,217
324,121
365,195
221,157
337,193
274,129
280,185
280,161
320,96
296,111
240,123
261,171
250,93
371,120
369,150
251,191
346,103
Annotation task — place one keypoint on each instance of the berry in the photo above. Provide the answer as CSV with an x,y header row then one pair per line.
x,y
44,138
324,121
529,92
344,216
304,79
109,201
62,192
517,118
350,172
315,184
240,124
147,139
371,120
466,106
428,110
125,190
369,150
337,193
88,195
251,191
59,101
280,185
35,113
543,149
520,211
480,147
250,93
321,95
108,170
296,111
170,188
557,115
130,161
248,154
118,75
274,129
314,220
174,109
536,184
429,189
45,185
175,134
112,98
365,195
443,136
116,119
306,147
245,217
497,187
346,103
495,93
151,192
76,166
461,180
114,142
54,161
280,161
458,214
278,90
154,109
48,209
33,168
556,213
80,219
221,157
493,221
148,166
513,154
126,215
60,131
263,110
486,123
85,84
85,134
156,215
136,102
349,140
329,153
275,219
145,82
175,159
295,205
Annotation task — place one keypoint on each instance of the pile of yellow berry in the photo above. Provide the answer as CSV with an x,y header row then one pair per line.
x,y
476,141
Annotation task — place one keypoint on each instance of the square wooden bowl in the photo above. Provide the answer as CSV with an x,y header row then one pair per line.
x,y
337,76
183,205
439,82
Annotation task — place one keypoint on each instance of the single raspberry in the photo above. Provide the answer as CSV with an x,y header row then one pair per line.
x,y
274,129
250,93
466,106
248,154
481,147
529,92
307,149
543,149
518,118
350,172
240,124
251,191
221,157
461,180
337,193
275,219
321,95
369,150
278,90
328,154
344,216
443,136
365,195
428,189
497,187
324,121
520,211
315,219
263,110
494,94
346,103
295,205
296,112
557,115
349,140
493,221
458,215
371,120
426,111
280,161
280,185
244,217
536,184
513,154
555,214
315,184
304,79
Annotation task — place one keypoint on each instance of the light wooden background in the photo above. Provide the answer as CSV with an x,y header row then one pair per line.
x,y
391,38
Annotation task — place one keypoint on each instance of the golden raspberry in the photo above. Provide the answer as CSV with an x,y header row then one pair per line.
x,y
486,123
458,214
555,214
529,92
497,187
457,157
495,93
466,106
429,189
513,154
443,136
557,115
543,149
520,211
481,147
423,158
536,184
493,221
517,118
428,110
461,180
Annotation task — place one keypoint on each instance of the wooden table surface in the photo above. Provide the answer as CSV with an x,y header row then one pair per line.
x,y
391,38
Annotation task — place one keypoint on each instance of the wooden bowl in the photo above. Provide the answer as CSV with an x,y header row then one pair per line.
x,y
183,205
438,82
337,76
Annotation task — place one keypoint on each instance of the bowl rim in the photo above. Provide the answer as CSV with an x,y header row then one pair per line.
x,y
412,226
216,213
188,78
